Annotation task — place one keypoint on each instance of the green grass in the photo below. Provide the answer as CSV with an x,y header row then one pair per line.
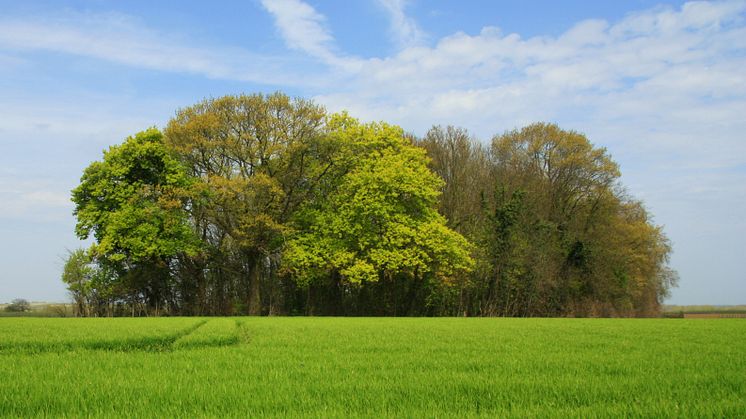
x,y
33,335
351,367
216,332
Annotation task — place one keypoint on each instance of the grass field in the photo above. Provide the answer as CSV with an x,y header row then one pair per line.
x,y
348,367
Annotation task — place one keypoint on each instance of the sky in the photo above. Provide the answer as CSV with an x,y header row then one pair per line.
x,y
660,84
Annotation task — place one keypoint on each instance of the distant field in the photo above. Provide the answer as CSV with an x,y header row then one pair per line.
x,y
705,309
705,312
350,367
42,309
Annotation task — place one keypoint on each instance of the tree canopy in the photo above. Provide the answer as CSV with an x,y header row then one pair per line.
x,y
556,233
378,222
133,202
264,204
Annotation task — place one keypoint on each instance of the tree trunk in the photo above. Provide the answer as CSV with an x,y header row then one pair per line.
x,y
255,301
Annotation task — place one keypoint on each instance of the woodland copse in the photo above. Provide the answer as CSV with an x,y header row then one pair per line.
x,y
269,205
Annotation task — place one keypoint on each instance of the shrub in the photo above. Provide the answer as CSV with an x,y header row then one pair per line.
x,y
19,305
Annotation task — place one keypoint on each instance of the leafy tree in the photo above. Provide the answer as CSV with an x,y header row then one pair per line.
x,y
380,220
555,234
574,214
256,158
464,164
132,202
77,274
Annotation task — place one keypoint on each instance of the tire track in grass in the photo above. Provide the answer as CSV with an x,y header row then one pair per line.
x,y
153,344
243,333
216,332
157,343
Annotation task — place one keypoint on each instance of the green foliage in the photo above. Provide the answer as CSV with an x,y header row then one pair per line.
x,y
556,235
78,273
380,219
132,202
252,156
256,158
574,243
265,204
376,367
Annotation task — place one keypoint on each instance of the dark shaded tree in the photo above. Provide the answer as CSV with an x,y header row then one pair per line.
x,y
18,305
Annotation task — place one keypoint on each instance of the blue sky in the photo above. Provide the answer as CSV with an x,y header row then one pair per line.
x,y
661,85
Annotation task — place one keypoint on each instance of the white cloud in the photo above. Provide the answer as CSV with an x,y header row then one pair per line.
x,y
33,199
122,39
302,28
662,69
405,30
688,60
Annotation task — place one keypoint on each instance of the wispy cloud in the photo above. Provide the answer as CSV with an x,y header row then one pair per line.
x,y
302,28
405,29
123,39
8,62
32,199
688,61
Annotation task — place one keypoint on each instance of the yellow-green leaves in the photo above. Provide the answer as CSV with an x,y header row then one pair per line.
x,y
380,217
132,202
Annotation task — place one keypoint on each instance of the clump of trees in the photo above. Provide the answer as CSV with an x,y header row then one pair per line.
x,y
18,305
258,204
556,234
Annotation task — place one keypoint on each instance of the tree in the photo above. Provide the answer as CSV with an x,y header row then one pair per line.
x,y
464,165
567,246
132,202
256,158
378,222
555,234
631,268
18,305
77,274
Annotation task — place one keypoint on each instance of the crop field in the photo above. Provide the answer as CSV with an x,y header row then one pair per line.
x,y
372,367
